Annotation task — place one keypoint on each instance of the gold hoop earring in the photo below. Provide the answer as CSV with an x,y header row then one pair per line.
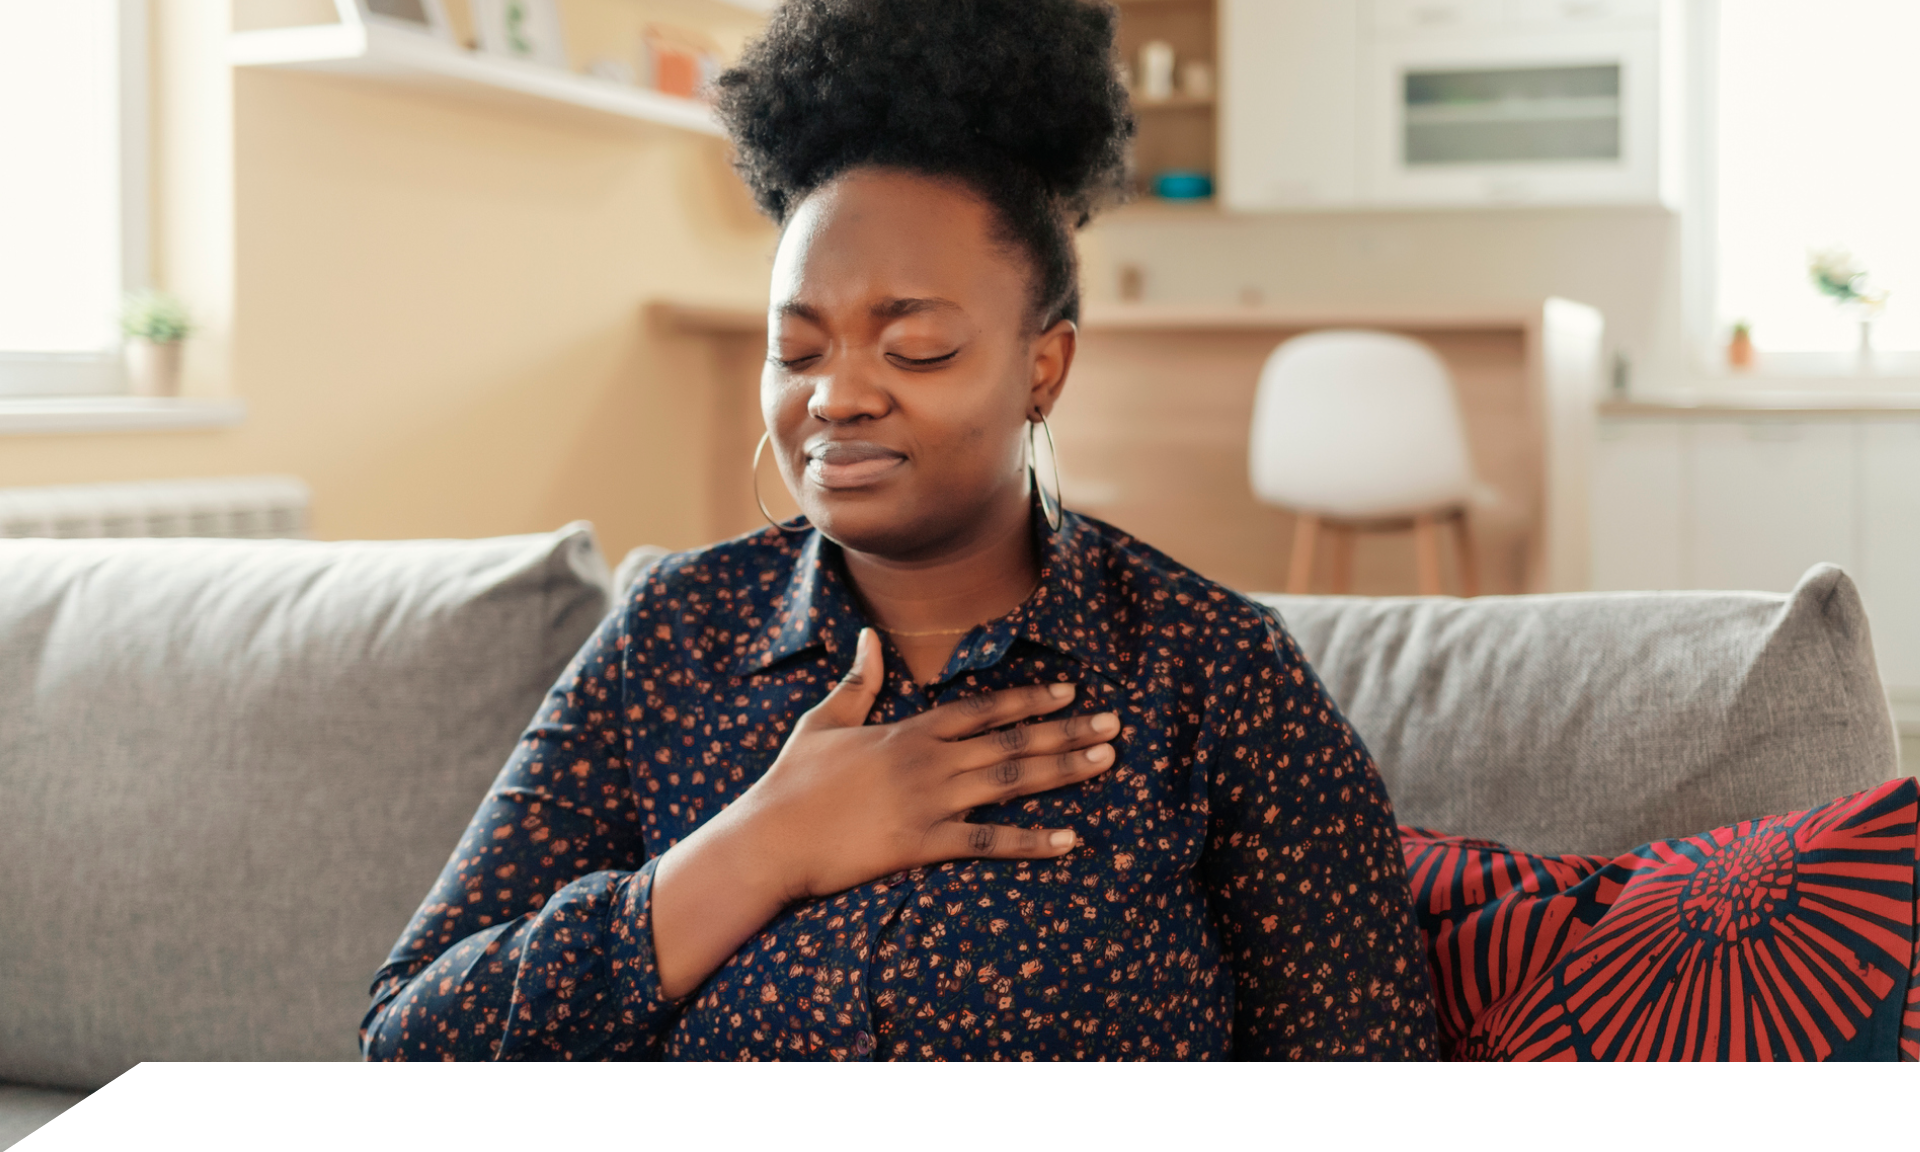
x,y
762,504
1049,506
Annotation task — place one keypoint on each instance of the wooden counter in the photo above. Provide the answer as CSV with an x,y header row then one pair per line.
x,y
1153,430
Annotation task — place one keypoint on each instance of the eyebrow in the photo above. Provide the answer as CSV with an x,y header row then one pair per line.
x,y
885,310
912,305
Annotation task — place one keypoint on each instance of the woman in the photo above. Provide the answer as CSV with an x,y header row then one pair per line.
x,y
940,770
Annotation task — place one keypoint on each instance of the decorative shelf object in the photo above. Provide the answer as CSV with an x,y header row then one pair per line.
x,y
397,55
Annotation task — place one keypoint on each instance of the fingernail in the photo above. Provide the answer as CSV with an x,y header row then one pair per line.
x,y
1060,691
1061,840
1106,723
1100,753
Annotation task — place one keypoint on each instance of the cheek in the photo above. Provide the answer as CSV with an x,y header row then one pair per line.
x,y
977,447
783,400
979,427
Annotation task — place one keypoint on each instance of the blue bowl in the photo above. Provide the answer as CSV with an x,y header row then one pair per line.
x,y
1183,184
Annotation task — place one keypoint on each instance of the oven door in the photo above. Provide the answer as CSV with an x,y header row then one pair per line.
x,y
1512,118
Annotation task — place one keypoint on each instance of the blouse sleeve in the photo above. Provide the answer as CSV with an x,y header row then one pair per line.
x,y
1304,869
534,943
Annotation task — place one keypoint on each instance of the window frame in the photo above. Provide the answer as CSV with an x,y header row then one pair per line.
x,y
104,372
1705,337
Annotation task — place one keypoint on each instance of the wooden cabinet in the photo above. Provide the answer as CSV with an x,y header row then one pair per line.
x,y
1753,502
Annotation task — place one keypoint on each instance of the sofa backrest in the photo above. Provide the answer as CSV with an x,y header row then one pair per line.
x,y
229,771
1596,722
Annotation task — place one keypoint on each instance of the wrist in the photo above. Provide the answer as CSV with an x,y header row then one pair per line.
x,y
749,835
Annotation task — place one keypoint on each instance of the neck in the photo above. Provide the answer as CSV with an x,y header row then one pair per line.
x,y
987,573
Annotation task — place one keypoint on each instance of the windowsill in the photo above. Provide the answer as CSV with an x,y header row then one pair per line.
x,y
1707,390
1823,370
27,415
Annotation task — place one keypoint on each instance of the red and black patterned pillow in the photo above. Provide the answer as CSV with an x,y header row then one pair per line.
x,y
1787,938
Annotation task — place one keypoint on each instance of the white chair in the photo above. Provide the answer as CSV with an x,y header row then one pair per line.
x,y
1360,431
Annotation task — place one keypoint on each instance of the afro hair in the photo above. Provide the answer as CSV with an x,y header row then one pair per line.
x,y
1019,100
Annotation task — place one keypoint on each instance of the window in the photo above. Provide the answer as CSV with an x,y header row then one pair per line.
x,y
1815,111
72,205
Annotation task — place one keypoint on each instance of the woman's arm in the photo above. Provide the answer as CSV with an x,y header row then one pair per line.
x,y
526,942
539,939
1305,872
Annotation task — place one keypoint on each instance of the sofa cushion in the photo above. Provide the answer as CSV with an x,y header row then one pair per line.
x,y
231,769
1593,722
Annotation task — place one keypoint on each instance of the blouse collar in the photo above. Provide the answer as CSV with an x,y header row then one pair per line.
x,y
1070,612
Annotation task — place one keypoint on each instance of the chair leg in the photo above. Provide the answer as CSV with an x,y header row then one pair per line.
x,y
1426,554
1463,544
1306,532
1342,559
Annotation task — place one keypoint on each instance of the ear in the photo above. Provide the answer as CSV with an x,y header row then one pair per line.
x,y
1052,357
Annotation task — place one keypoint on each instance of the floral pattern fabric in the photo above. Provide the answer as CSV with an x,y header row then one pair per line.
x,y
1791,937
1238,891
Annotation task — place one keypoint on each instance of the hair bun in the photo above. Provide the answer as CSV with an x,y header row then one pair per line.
x,y
932,85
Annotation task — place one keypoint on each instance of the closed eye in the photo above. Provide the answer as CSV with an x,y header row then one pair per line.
x,y
922,362
795,362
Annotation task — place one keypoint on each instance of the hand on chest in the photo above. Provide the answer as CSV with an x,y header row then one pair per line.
x,y
696,750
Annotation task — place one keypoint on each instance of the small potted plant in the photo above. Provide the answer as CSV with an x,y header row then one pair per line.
x,y
1837,275
156,326
1740,346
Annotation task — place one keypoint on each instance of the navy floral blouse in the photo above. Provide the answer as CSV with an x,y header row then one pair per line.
x,y
1239,889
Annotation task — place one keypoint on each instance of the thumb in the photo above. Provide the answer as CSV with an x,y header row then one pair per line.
x,y
851,699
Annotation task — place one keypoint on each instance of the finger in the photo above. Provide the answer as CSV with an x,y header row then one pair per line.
x,y
1011,779
973,714
852,698
1023,740
958,840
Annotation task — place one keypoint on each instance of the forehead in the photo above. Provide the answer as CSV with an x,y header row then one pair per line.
x,y
874,235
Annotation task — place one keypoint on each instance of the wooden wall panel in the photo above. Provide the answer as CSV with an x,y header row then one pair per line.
x,y
1153,433
1153,438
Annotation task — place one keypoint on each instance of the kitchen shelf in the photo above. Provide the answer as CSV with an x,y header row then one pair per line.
x,y
1150,207
414,59
1173,104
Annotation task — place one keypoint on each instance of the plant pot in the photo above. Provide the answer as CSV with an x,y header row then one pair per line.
x,y
153,369
1740,350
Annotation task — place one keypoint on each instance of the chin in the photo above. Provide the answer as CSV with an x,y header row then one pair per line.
x,y
875,522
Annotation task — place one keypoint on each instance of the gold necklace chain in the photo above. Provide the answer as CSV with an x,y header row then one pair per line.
x,y
950,631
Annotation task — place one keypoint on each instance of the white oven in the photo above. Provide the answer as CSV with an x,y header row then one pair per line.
x,y
1513,101
1342,104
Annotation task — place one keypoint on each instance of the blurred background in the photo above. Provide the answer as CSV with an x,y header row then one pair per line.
x,y
449,268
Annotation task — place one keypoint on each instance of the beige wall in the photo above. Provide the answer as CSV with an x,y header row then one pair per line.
x,y
436,313
1624,261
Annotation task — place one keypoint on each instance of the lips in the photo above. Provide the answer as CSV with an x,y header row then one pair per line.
x,y
850,463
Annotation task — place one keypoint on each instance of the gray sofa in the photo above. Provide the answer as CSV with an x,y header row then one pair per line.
x,y
229,770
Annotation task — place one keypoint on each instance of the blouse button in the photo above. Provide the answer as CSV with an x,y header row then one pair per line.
x,y
862,1044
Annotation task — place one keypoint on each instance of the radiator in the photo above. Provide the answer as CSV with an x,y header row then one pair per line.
x,y
243,507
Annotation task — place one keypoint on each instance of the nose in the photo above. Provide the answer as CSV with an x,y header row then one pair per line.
x,y
845,392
